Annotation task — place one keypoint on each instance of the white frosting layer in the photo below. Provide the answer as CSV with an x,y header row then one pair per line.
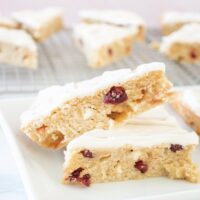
x,y
55,96
7,22
17,37
116,17
140,134
135,135
180,17
94,36
192,99
189,33
36,19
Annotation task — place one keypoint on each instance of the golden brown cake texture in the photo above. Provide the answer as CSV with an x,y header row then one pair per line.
x,y
62,113
186,104
133,151
117,165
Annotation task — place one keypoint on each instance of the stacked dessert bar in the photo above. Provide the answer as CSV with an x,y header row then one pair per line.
x,y
112,128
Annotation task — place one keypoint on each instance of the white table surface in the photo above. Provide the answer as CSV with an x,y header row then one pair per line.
x,y
11,187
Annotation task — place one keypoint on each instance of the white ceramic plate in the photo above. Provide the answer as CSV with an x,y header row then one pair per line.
x,y
41,169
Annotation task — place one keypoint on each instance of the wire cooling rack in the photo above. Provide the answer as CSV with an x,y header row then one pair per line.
x,y
61,62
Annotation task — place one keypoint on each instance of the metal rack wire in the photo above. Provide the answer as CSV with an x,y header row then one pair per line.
x,y
61,62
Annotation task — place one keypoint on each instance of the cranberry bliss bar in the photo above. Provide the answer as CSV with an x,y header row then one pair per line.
x,y
40,24
183,45
18,48
156,147
103,44
61,113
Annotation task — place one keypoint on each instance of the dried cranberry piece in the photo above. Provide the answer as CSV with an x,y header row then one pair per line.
x,y
86,153
141,166
115,95
76,173
193,55
176,147
85,180
110,52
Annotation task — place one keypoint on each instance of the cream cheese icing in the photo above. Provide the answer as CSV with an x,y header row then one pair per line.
x,y
138,135
180,17
55,96
189,33
95,36
116,17
17,37
36,19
